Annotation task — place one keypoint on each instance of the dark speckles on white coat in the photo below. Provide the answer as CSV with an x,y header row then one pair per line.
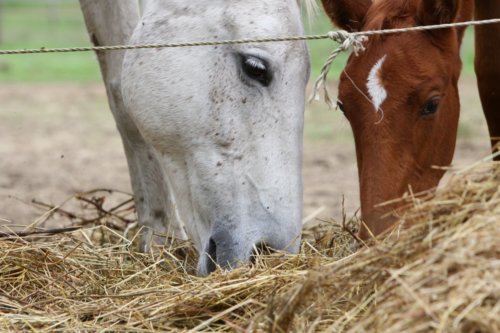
x,y
230,150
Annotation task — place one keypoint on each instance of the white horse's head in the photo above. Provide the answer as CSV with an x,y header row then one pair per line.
x,y
225,122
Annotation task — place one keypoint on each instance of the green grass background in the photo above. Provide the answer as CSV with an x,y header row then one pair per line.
x,y
30,25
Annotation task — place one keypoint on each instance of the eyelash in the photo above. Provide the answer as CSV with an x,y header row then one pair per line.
x,y
256,69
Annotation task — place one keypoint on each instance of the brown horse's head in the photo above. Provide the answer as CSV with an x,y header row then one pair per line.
x,y
400,97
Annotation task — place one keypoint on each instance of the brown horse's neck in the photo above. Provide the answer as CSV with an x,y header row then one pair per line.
x,y
466,13
488,65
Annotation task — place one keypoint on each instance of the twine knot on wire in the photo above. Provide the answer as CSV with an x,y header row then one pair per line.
x,y
347,41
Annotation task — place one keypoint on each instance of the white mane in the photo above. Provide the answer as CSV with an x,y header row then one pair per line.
x,y
310,7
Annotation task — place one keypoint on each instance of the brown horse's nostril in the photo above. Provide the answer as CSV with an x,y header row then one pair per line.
x,y
260,249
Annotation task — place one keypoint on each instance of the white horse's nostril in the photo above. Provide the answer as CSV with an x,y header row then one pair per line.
x,y
260,249
212,256
224,251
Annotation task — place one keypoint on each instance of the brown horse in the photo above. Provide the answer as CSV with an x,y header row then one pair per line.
x,y
401,96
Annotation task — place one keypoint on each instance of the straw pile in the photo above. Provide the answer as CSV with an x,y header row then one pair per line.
x,y
441,275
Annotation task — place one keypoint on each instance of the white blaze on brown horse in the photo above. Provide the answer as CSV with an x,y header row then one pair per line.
x,y
401,96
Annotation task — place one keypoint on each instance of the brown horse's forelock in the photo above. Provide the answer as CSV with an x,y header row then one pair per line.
x,y
391,14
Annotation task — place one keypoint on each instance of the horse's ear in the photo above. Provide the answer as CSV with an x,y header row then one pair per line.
x,y
347,14
433,12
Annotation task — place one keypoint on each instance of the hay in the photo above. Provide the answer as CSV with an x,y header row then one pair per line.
x,y
441,275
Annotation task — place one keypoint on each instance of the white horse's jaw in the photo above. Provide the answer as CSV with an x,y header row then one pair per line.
x,y
230,148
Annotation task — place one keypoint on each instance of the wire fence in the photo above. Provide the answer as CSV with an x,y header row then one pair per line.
x,y
17,48
338,36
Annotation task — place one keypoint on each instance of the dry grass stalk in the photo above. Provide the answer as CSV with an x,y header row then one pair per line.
x,y
441,275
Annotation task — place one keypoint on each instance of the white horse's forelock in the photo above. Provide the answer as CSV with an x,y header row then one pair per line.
x,y
309,7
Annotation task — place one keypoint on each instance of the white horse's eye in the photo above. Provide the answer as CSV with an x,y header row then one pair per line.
x,y
256,69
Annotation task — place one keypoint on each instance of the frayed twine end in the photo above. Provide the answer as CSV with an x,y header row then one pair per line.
x,y
347,41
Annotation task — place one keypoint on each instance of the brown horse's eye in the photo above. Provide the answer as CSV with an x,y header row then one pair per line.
x,y
431,106
256,69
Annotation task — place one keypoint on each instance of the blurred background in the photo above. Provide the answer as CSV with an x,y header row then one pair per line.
x,y
57,137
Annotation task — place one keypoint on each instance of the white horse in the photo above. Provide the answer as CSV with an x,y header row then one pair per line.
x,y
213,135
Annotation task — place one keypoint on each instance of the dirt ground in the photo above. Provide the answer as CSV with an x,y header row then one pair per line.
x,y
58,140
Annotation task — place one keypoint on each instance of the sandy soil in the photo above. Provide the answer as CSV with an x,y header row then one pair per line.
x,y
57,140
